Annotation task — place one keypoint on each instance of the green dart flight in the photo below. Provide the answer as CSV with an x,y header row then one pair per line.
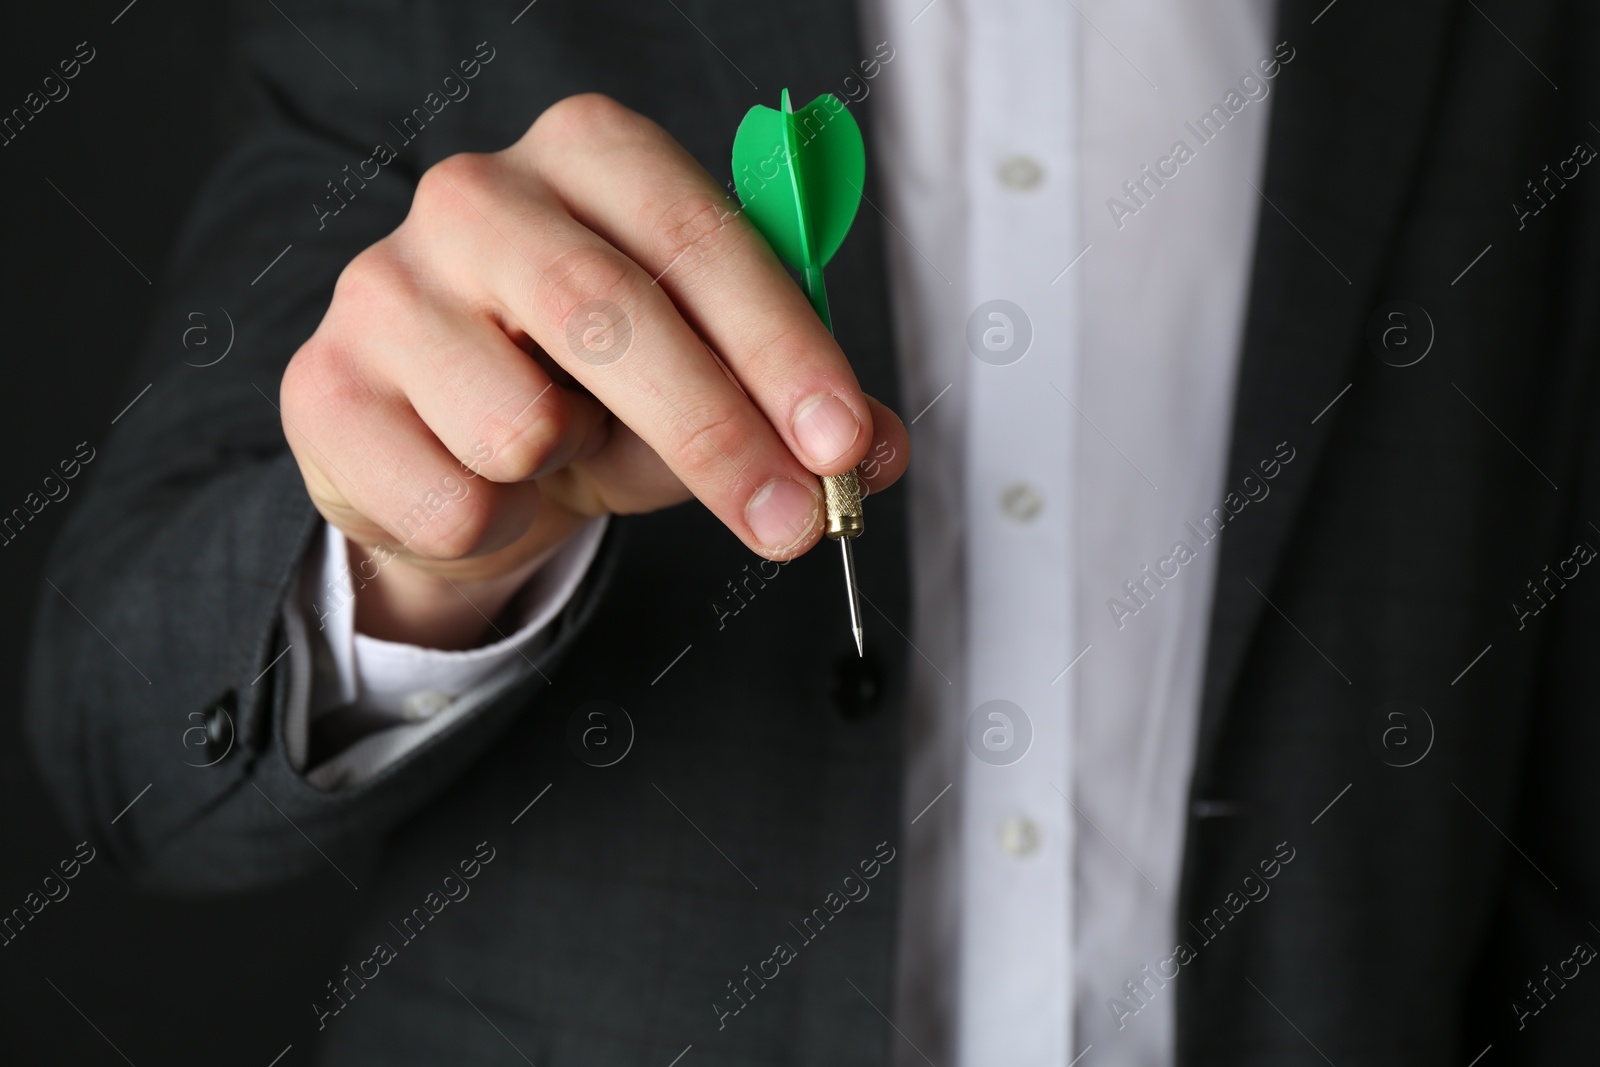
x,y
799,175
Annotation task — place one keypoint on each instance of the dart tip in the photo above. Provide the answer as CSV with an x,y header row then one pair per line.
x,y
852,594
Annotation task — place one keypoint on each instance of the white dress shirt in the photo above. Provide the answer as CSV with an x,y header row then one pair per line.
x,y
1004,130
1026,153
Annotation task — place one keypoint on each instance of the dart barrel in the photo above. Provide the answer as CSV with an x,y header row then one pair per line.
x,y
844,505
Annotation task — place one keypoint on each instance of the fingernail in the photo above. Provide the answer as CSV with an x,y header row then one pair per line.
x,y
824,428
781,514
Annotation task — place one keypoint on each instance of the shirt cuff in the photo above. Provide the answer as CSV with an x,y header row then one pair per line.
x,y
371,684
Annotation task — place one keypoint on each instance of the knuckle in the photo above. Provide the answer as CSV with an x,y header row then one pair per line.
x,y
790,342
517,451
452,532
452,185
581,276
302,379
712,445
373,284
687,232
578,117
320,381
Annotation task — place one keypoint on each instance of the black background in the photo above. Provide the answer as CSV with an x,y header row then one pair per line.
x,y
166,980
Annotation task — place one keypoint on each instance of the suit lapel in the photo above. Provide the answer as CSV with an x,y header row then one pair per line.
x,y
1347,134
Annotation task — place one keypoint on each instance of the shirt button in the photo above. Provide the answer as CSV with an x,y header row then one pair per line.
x,y
1018,836
424,705
1021,172
1021,502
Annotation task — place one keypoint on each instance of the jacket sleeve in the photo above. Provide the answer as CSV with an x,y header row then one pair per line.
x,y
163,596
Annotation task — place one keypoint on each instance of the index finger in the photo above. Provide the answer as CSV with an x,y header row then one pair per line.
x,y
642,191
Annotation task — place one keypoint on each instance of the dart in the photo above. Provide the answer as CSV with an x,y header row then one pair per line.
x,y
799,175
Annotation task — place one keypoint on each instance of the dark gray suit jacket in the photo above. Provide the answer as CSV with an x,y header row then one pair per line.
x,y
614,913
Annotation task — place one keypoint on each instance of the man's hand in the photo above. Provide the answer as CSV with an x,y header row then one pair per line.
x,y
575,326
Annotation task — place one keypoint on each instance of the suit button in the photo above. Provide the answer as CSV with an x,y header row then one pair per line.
x,y
221,721
211,736
1218,809
857,686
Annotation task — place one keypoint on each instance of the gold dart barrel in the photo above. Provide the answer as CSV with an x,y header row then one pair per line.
x,y
844,505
